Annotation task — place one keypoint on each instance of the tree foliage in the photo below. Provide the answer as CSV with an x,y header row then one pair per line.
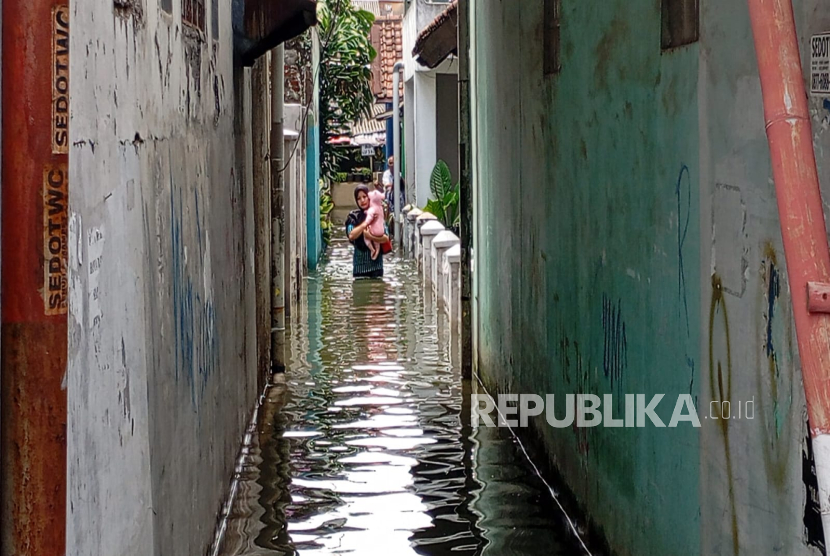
x,y
345,74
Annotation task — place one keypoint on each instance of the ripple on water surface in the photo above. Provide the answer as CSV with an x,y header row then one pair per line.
x,y
364,448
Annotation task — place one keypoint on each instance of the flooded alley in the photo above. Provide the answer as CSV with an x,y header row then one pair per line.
x,y
366,448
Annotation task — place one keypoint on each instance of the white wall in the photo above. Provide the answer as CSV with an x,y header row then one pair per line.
x,y
409,138
425,138
420,103
161,372
295,199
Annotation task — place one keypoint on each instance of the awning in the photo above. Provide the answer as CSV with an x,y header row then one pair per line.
x,y
439,39
372,124
260,25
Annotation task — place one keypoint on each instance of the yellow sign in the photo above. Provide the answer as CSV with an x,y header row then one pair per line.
x,y
55,240
60,80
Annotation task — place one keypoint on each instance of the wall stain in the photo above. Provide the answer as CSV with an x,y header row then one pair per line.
x,y
723,393
618,34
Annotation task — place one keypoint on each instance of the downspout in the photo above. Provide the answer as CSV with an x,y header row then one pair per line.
x,y
465,186
277,215
802,218
35,99
396,141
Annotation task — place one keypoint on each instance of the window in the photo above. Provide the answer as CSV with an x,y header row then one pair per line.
x,y
552,23
193,12
167,5
680,21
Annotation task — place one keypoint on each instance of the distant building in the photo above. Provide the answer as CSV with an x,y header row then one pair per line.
x,y
431,114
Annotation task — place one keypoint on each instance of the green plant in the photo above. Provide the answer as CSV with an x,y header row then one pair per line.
x,y
340,177
445,197
345,75
326,206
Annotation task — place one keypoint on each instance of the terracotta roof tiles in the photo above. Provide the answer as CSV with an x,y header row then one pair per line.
x,y
387,38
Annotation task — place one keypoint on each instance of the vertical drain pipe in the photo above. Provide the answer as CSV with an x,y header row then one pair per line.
x,y
277,215
396,142
465,187
802,218
35,98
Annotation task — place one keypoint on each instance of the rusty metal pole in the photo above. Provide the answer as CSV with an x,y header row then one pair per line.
x,y
800,211
35,97
277,214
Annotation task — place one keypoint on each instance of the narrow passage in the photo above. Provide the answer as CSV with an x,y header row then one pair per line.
x,y
365,447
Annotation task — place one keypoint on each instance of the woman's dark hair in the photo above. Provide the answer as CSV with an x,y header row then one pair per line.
x,y
358,189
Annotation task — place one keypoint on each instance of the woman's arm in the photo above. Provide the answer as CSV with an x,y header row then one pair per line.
x,y
357,230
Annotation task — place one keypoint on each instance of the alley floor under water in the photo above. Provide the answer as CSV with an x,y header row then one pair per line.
x,y
364,447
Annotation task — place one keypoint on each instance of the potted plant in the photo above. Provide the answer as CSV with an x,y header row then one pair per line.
x,y
444,204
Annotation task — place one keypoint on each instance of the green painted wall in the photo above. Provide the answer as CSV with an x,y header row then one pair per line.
x,y
587,247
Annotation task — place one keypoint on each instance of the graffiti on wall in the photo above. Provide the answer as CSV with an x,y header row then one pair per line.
x,y
720,385
194,316
615,341
683,193
776,378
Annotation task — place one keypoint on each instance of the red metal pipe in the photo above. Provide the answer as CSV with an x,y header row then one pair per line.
x,y
800,211
33,323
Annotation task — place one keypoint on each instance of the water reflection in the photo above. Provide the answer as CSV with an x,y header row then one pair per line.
x,y
366,448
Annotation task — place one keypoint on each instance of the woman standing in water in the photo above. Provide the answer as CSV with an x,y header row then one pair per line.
x,y
363,266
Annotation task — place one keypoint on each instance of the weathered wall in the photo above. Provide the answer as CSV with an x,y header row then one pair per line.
x,y
314,234
300,95
753,472
296,261
650,262
261,171
162,361
587,245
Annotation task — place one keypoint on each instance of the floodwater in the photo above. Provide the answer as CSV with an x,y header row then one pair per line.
x,y
365,446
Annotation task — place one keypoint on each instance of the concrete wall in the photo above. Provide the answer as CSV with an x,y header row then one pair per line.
x,y
162,359
314,234
650,262
296,262
751,328
409,139
422,12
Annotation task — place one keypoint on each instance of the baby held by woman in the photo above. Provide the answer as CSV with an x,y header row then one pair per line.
x,y
374,217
